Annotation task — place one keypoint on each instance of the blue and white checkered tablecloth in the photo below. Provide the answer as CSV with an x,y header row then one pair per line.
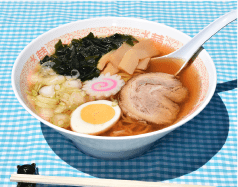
x,y
201,152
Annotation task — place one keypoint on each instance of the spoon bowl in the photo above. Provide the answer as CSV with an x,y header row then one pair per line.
x,y
186,52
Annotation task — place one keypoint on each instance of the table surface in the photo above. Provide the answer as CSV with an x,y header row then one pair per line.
x,y
201,152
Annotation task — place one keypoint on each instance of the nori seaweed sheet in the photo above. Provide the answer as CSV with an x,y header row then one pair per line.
x,y
83,54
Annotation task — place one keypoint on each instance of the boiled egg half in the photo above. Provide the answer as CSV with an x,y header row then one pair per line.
x,y
95,117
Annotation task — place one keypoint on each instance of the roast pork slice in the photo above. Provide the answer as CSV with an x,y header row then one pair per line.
x,y
153,97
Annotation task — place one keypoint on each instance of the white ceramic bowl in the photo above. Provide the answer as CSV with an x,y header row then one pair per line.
x,y
111,147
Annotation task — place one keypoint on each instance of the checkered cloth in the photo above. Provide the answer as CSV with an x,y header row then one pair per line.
x,y
201,152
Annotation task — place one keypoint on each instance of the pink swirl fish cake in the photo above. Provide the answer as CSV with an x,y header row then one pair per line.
x,y
103,86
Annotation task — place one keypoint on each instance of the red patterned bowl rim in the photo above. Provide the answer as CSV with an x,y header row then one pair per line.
x,y
48,48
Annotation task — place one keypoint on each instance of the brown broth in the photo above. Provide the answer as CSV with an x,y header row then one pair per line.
x,y
189,78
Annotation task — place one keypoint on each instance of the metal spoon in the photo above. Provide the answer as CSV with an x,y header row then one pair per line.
x,y
189,49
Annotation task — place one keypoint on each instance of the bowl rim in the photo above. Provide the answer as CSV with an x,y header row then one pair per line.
x,y
165,130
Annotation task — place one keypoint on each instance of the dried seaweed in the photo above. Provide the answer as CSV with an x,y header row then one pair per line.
x,y
83,54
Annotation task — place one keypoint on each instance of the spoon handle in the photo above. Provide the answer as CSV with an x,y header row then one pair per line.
x,y
190,48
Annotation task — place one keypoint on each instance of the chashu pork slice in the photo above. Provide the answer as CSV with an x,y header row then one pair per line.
x,y
153,97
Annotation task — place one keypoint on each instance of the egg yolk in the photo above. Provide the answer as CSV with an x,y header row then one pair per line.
x,y
97,113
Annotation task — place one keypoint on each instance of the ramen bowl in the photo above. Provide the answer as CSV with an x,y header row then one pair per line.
x,y
101,146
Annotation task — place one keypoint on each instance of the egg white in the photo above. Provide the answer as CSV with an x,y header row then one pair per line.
x,y
81,126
